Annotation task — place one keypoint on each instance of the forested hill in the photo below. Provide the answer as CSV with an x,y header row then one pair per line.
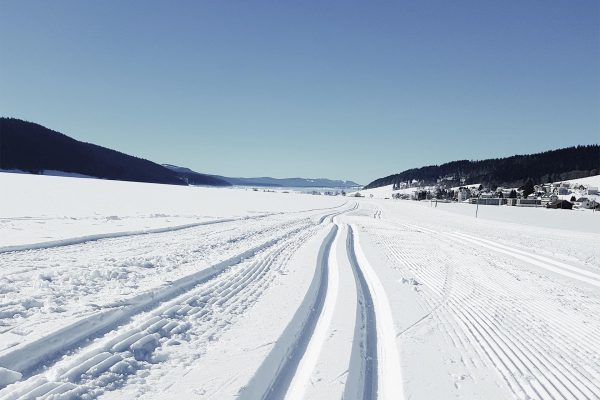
x,y
29,147
549,166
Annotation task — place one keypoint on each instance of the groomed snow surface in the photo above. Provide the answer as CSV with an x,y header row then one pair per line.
x,y
118,290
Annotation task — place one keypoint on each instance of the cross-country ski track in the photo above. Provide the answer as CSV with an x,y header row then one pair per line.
x,y
364,299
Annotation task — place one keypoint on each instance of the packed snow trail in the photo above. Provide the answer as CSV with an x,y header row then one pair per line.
x,y
370,299
363,372
373,371
106,274
276,374
307,363
500,313
109,361
25,358
389,373
28,357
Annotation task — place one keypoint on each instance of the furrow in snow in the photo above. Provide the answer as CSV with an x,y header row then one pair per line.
x,y
534,259
540,261
389,373
329,217
273,378
532,362
105,275
27,358
308,361
200,315
362,375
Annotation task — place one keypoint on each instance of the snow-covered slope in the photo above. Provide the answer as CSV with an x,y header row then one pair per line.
x,y
589,181
381,192
289,296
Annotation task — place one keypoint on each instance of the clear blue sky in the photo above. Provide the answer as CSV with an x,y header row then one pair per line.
x,y
337,89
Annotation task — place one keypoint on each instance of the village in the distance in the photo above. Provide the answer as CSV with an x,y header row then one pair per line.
x,y
567,195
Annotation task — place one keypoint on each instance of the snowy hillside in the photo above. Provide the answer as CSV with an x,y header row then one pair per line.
x,y
116,290
589,181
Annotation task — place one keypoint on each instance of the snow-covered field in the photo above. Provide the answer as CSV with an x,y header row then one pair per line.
x,y
119,290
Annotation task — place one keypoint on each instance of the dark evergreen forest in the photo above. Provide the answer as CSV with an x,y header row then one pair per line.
x,y
30,147
548,166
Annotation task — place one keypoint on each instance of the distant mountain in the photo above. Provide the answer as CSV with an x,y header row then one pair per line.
x,y
196,178
549,166
32,148
290,182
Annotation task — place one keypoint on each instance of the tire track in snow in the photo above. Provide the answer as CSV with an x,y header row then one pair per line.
x,y
275,375
117,269
308,362
362,374
27,358
389,372
361,343
330,217
211,305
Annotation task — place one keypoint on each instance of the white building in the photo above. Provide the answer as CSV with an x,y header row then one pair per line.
x,y
463,194
584,202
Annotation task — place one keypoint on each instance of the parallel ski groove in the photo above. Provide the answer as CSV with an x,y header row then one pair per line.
x,y
273,378
389,372
365,336
235,294
520,356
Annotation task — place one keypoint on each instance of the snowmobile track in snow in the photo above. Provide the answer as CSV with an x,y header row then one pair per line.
x,y
195,297
286,371
389,372
362,375
328,218
276,373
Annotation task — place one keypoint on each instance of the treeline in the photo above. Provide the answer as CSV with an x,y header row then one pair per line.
x,y
549,166
32,148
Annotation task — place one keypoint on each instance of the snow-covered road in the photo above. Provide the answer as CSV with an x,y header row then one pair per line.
x,y
340,298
